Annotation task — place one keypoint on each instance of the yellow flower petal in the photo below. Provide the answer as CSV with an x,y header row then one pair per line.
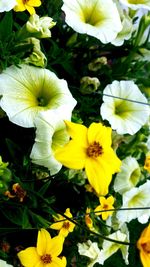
x,y
97,176
63,232
57,245
68,213
110,158
145,259
57,262
110,200
35,3
29,257
57,225
72,155
77,132
30,9
44,243
99,133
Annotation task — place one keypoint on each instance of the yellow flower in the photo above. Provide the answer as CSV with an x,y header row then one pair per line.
x,y
45,254
62,224
143,245
89,221
22,5
90,148
147,163
105,204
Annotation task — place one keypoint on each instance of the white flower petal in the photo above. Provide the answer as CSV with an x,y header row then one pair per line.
x,y
136,4
95,18
7,5
50,134
5,264
109,248
127,27
137,197
129,175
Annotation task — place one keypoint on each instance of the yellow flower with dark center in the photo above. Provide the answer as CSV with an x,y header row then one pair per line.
x,y
90,148
147,163
62,224
45,253
106,204
143,245
29,5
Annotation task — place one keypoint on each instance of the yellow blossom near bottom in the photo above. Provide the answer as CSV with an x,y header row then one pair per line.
x,y
45,253
105,204
143,245
62,224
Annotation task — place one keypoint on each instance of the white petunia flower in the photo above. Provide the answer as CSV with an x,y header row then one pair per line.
x,y
136,4
109,248
90,249
124,116
5,264
51,134
95,18
129,175
7,5
137,197
28,90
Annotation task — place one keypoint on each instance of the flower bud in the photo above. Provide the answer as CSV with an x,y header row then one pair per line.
x,y
40,26
89,85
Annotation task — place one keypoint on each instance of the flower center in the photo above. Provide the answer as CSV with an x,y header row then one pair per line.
x,y
42,101
136,1
25,1
105,207
94,150
46,258
66,225
146,247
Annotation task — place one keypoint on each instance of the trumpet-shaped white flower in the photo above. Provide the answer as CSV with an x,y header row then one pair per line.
x,y
95,18
5,264
124,116
50,134
90,249
129,175
109,248
7,5
28,90
40,26
136,4
137,197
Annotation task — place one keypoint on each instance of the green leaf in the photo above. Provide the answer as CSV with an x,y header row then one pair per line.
x,y
44,188
14,151
25,219
39,221
13,214
6,26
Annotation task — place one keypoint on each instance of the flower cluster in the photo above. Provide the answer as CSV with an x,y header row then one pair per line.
x,y
75,133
